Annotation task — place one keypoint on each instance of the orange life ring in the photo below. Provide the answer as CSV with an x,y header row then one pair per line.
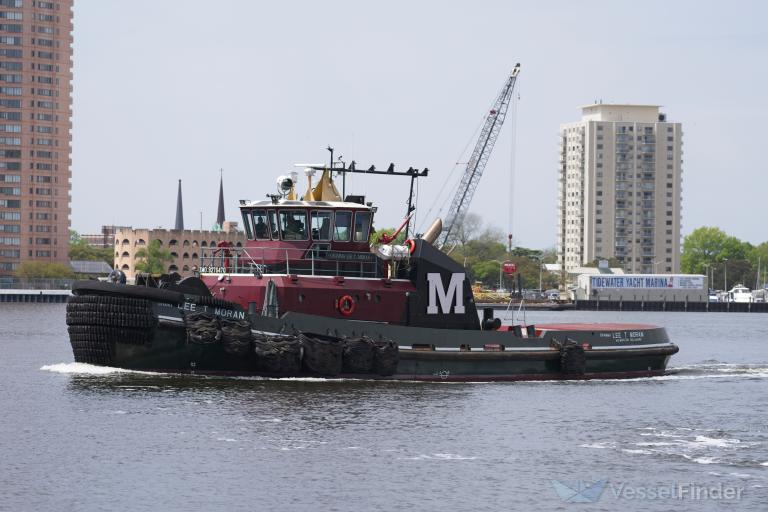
x,y
411,245
346,305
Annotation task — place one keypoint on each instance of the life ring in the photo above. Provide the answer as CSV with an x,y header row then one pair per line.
x,y
346,305
411,245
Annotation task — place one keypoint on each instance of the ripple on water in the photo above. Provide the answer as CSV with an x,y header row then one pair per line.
x,y
698,446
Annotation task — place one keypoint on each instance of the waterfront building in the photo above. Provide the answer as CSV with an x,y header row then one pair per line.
x,y
185,245
104,239
619,189
35,131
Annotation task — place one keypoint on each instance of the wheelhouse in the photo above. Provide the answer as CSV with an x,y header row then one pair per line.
x,y
304,221
301,238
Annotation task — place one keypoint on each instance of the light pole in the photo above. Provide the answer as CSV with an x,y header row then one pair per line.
x,y
725,275
501,267
709,283
540,265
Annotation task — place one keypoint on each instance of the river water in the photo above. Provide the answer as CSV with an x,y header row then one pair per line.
x,y
78,437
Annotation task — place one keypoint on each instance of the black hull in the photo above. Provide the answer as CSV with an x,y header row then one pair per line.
x,y
154,335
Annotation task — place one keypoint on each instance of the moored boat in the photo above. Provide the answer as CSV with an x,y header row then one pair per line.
x,y
310,295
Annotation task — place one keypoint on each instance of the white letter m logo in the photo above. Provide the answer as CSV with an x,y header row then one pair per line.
x,y
436,291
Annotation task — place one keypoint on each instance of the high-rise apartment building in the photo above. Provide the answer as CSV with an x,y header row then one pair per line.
x,y
620,189
35,137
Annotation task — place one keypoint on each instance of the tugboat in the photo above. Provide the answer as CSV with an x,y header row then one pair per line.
x,y
309,295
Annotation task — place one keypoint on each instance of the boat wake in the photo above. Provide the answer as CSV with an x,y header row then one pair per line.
x,y
698,446
715,371
88,369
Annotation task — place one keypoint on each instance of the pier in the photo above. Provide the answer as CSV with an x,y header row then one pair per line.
x,y
658,305
34,290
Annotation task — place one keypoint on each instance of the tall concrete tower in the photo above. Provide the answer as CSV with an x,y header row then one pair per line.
x,y
35,131
619,189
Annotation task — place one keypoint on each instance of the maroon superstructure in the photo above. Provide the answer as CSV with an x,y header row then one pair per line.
x,y
317,256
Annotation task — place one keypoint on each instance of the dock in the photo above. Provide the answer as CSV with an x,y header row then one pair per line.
x,y
45,296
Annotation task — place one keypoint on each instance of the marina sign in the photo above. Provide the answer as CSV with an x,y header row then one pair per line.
x,y
671,282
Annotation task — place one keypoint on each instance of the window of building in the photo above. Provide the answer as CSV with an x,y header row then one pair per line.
x,y
10,78
10,53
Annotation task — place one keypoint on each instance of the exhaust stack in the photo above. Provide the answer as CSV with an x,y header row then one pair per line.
x,y
434,231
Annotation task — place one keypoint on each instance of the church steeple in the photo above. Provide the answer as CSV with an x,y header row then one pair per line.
x,y
220,214
179,211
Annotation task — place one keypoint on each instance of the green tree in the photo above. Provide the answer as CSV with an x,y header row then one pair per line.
x,y
79,249
469,228
758,257
44,270
707,246
549,255
153,258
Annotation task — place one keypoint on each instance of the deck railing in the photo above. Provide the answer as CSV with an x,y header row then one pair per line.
x,y
315,261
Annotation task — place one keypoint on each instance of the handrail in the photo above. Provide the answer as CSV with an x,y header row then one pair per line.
x,y
318,260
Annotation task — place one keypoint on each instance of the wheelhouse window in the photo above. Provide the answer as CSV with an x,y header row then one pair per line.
x,y
321,225
260,226
362,226
342,226
247,225
273,225
293,224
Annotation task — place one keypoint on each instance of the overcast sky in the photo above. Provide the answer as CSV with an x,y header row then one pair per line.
x,y
179,89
